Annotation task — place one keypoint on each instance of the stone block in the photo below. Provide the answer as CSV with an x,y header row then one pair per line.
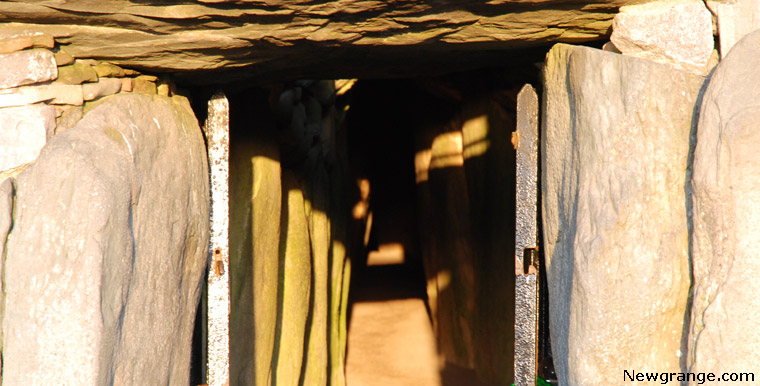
x,y
108,70
104,87
114,219
126,84
77,73
676,32
726,301
735,20
62,58
55,93
616,138
141,85
15,43
27,67
23,133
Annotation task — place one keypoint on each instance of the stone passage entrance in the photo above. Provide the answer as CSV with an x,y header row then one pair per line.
x,y
401,190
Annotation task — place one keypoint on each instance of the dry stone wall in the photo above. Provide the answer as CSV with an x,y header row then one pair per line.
x,y
44,91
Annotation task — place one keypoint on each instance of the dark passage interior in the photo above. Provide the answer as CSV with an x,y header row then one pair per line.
x,y
401,190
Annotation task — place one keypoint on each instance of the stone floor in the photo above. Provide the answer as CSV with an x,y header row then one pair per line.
x,y
390,338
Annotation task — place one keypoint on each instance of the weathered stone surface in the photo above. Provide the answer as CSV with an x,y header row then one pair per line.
x,y
69,117
108,70
735,20
6,219
62,58
256,199
19,42
295,284
77,73
267,34
126,84
615,148
55,93
726,300
27,67
104,87
144,86
318,206
114,219
677,32
23,133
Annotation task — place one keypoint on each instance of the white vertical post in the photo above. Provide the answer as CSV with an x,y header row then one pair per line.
x,y
218,138
526,236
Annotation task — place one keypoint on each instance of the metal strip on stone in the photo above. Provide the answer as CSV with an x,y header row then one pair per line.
x,y
526,236
218,137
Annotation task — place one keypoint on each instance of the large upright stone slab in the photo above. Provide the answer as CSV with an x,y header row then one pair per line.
x,y
615,146
724,335
6,220
105,259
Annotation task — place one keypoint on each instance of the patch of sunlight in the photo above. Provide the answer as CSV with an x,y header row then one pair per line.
x,y
475,137
387,254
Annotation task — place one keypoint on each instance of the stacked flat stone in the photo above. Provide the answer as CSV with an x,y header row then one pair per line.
x,y
44,90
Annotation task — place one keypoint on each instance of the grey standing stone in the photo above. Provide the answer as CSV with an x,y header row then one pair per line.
x,y
27,67
6,220
23,133
615,146
726,301
105,260
294,284
676,32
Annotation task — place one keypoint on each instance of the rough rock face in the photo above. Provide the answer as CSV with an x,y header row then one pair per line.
x,y
615,149
677,32
735,20
23,133
27,67
105,260
726,304
6,220
266,35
